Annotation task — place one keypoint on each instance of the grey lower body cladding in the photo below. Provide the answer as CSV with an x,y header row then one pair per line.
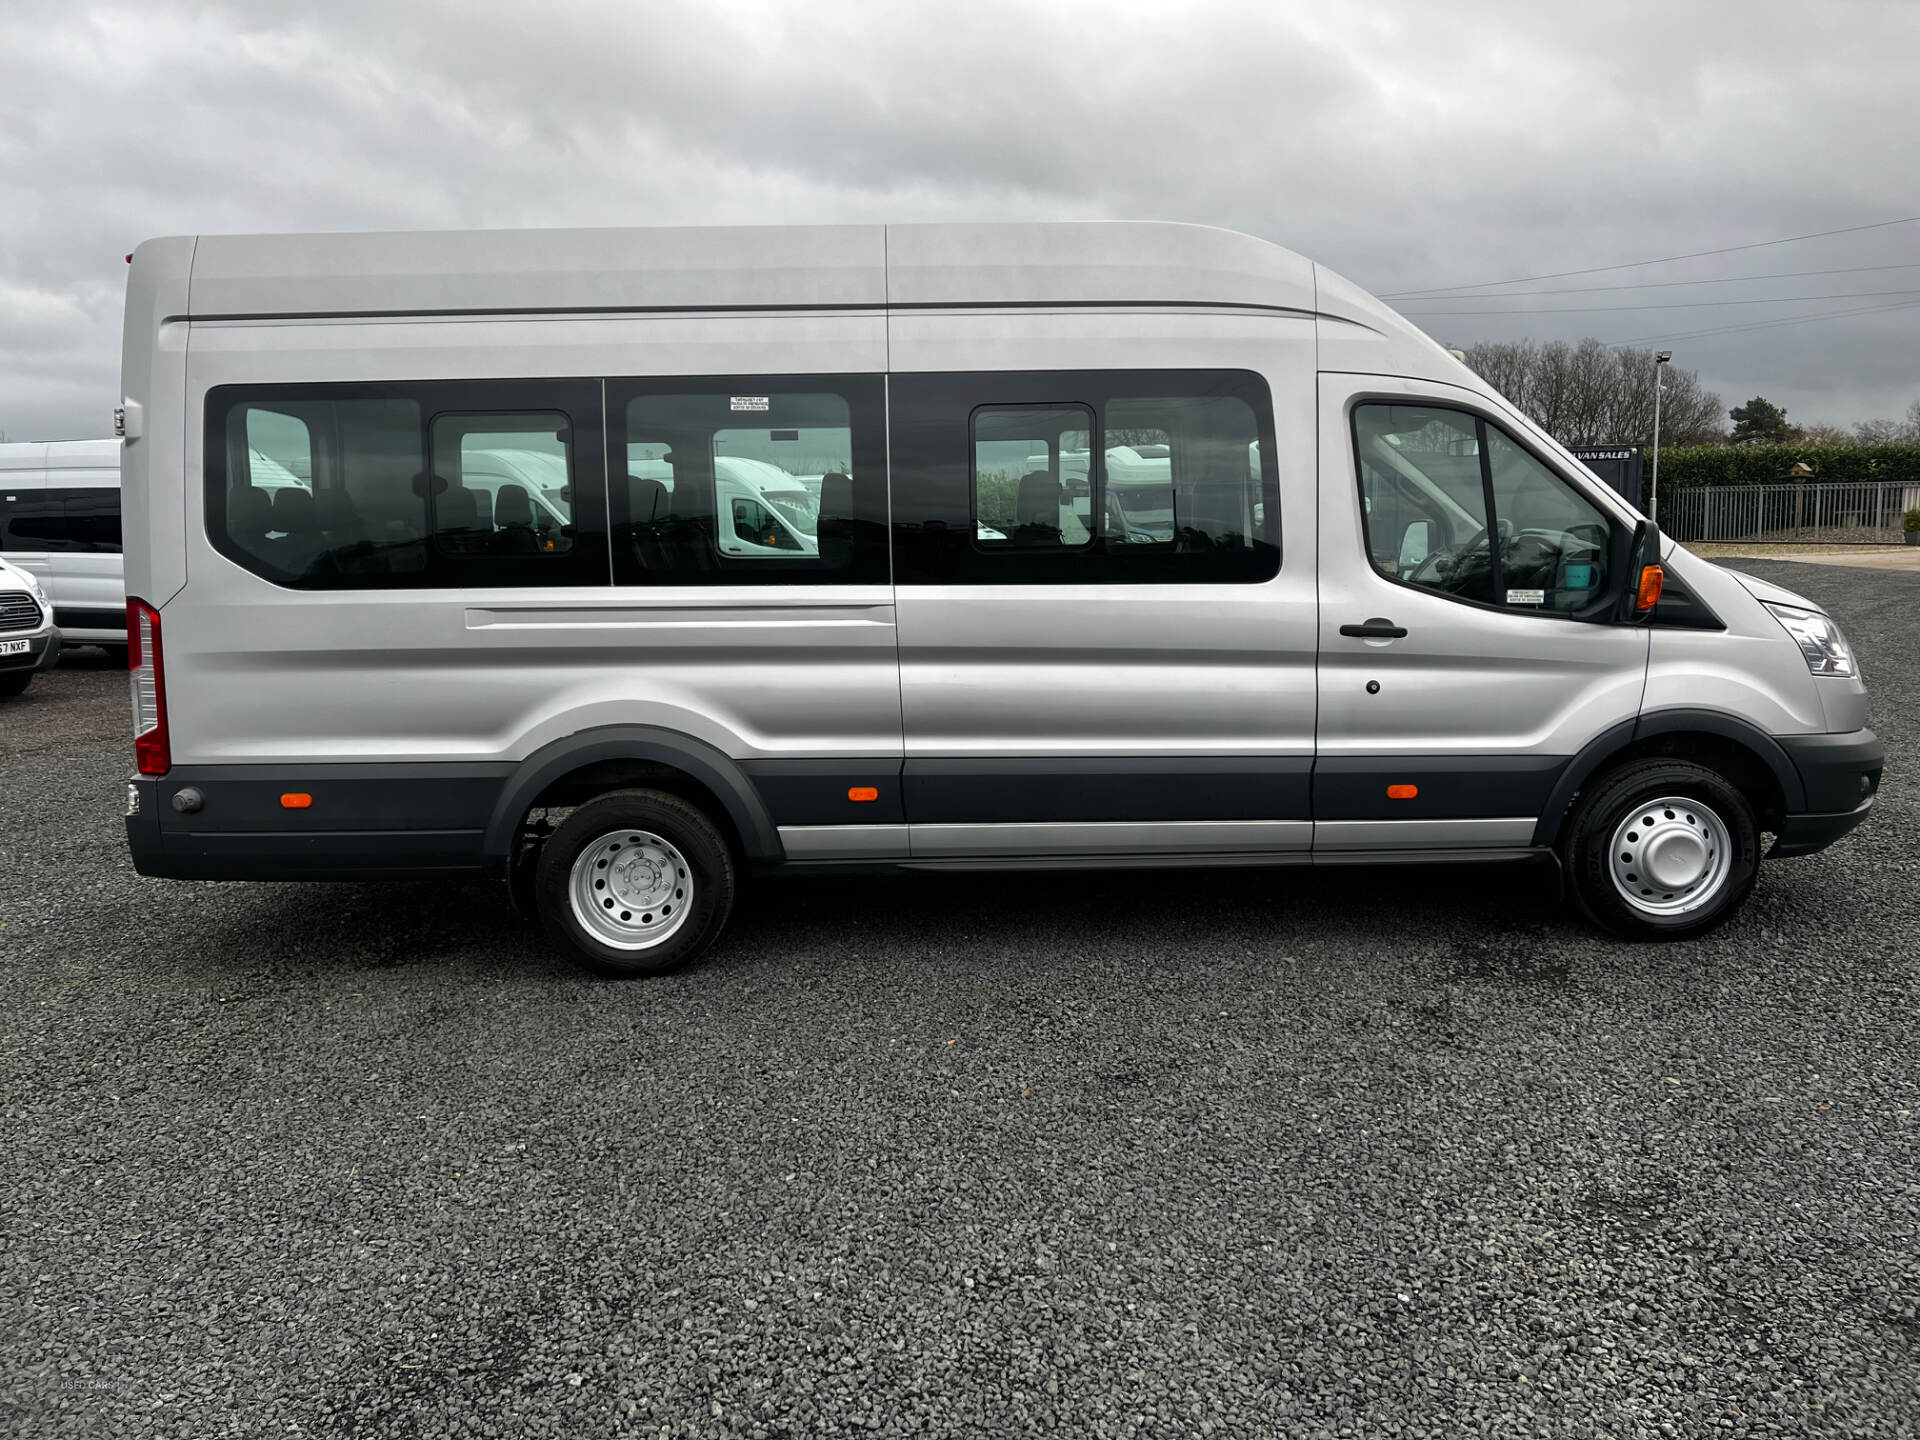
x,y
373,821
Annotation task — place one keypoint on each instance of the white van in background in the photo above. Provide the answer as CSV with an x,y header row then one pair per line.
x,y
760,509
60,522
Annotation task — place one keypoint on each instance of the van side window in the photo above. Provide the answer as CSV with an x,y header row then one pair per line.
x,y
749,481
65,521
1032,477
93,513
502,485
1453,503
434,483
1182,472
1088,477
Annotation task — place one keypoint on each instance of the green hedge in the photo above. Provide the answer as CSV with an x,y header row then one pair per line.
x,y
1769,464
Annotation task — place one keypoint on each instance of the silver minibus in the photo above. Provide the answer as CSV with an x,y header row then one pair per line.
x,y
628,565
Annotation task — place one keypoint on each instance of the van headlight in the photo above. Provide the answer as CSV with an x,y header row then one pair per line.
x,y
1819,640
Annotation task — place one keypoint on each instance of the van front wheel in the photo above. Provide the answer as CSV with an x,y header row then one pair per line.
x,y
1662,850
638,882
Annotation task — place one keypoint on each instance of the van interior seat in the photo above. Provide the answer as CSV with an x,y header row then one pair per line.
x,y
1037,509
455,509
513,515
295,519
249,516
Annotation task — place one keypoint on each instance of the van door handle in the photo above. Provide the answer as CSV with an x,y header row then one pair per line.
x,y
1375,629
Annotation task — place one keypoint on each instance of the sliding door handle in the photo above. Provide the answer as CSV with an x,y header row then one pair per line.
x,y
1375,629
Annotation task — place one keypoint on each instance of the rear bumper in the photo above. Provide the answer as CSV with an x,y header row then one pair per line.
x,y
1841,776
365,822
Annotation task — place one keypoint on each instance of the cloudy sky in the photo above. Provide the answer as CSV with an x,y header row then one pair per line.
x,y
1410,145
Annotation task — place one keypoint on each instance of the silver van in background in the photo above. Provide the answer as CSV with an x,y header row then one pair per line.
x,y
60,522
623,564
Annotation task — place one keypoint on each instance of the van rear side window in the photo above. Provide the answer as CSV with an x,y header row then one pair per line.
x,y
437,483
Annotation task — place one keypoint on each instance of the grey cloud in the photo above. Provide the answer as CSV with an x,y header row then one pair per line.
x,y
1405,144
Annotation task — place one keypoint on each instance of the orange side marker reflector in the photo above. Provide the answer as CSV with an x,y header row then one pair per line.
x,y
863,793
1402,792
1652,580
296,802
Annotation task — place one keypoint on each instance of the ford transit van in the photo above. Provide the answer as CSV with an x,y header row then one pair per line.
x,y
1105,545
29,640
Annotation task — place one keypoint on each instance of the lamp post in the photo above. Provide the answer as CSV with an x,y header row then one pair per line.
x,y
1660,357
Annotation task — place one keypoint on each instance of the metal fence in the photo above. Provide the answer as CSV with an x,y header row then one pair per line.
x,y
1867,513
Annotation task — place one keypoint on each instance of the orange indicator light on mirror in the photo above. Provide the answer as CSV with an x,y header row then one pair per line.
x,y
1402,792
863,793
1652,581
296,801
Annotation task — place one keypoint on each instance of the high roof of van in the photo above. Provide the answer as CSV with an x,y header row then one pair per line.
x,y
766,267
63,462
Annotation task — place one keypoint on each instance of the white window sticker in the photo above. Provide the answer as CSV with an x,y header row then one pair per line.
x,y
1526,597
749,402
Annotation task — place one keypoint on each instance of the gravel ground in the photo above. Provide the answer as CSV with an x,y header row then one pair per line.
x,y
1262,1153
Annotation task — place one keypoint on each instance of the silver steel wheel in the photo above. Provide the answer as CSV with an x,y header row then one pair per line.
x,y
1670,857
630,889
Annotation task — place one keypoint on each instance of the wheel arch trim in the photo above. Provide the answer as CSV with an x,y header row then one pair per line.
x,y
722,775
1609,743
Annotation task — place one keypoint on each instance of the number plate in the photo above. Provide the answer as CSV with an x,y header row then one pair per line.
x,y
15,647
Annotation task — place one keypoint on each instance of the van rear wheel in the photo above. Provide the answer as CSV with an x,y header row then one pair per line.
x,y
638,882
1662,850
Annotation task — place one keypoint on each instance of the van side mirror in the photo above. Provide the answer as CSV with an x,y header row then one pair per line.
x,y
1644,576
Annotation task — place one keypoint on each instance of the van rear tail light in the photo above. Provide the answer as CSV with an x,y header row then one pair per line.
x,y
146,680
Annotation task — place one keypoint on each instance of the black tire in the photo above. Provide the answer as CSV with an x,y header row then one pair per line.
x,y
15,684
653,813
1588,850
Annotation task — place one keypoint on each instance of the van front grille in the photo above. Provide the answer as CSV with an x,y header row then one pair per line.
x,y
18,611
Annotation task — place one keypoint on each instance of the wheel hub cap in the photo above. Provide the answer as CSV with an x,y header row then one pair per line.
x,y
1670,856
630,889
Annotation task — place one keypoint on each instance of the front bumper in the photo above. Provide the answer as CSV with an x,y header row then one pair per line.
x,y
43,652
1841,777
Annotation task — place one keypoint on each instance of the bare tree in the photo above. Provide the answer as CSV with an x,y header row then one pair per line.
x,y
1890,432
1827,435
1588,394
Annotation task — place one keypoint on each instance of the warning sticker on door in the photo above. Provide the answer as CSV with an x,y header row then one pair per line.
x,y
748,402
1526,597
